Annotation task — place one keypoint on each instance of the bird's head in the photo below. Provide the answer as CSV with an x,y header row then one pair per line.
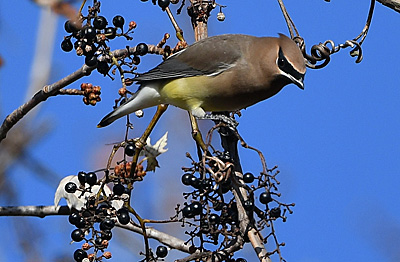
x,y
290,61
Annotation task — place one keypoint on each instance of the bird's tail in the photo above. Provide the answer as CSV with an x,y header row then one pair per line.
x,y
146,96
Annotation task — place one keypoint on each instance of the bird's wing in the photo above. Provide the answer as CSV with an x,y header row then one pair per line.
x,y
207,57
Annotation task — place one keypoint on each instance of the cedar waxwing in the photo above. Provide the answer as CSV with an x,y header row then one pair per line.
x,y
220,73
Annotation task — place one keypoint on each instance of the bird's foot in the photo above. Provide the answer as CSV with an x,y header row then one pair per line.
x,y
229,121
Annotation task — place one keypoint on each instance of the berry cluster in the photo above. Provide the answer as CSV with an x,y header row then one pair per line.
x,y
91,34
98,215
91,94
214,208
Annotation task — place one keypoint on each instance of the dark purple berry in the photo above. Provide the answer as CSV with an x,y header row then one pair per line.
x,y
91,178
195,182
248,205
248,178
187,212
82,177
77,235
74,218
102,67
70,27
107,224
186,179
91,61
89,33
130,149
106,234
265,198
81,223
225,187
214,219
196,208
123,216
118,21
161,251
70,187
66,45
79,255
163,4
80,44
118,189
100,22
110,32
142,49
98,241
241,260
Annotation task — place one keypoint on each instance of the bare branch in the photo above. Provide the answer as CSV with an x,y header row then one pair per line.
x,y
53,89
393,4
34,211
44,211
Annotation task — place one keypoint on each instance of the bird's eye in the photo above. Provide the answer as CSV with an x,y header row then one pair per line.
x,y
281,62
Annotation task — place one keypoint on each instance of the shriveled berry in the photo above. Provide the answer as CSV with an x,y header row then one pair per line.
x,y
100,22
132,25
110,32
265,198
248,178
107,224
275,212
66,45
163,4
107,255
91,178
70,187
118,189
79,255
123,216
186,178
142,49
77,235
89,50
130,149
161,251
91,60
118,21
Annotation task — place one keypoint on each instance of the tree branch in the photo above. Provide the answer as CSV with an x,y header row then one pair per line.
x,y
393,4
44,211
51,90
34,211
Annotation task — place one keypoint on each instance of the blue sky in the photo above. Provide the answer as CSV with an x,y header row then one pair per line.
x,y
336,143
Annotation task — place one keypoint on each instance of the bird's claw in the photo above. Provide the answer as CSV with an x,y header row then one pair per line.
x,y
229,121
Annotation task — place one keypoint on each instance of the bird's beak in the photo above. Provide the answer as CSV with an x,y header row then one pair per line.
x,y
298,82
